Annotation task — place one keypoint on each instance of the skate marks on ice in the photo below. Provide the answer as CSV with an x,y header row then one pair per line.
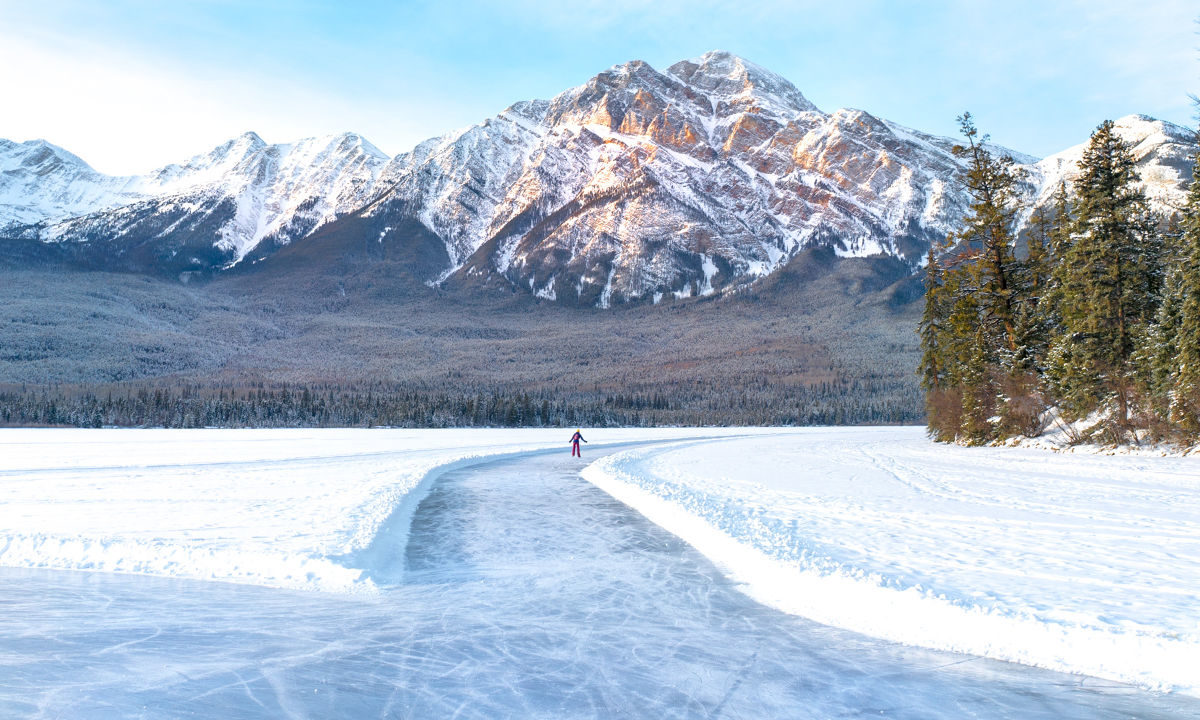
x,y
526,593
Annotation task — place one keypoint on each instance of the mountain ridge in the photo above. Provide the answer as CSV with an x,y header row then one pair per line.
x,y
633,186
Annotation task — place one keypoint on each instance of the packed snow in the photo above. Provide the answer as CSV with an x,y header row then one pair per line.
x,y
1087,564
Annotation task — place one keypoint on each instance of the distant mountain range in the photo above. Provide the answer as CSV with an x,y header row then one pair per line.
x,y
635,186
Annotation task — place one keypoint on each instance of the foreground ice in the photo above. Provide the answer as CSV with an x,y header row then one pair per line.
x,y
282,508
1082,563
526,593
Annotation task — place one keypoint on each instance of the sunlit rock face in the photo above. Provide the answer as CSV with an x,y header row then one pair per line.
x,y
637,185
641,184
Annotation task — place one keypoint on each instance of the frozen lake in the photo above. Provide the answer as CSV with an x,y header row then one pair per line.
x,y
522,591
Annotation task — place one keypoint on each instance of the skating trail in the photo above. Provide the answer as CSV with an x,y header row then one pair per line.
x,y
523,592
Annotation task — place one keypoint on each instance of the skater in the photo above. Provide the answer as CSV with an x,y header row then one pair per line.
x,y
575,444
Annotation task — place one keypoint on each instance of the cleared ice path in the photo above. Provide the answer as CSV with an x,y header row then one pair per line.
x,y
523,592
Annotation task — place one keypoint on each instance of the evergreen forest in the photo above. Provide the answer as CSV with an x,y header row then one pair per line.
x,y
1093,330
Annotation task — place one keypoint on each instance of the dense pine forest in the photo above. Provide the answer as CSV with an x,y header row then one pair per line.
x,y
329,405
1094,329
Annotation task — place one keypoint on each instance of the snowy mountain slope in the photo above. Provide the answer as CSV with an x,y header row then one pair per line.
x,y
39,181
454,183
1164,153
213,209
636,185
641,183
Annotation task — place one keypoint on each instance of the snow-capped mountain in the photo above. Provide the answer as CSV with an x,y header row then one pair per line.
x,y
641,183
39,181
208,212
1164,153
638,184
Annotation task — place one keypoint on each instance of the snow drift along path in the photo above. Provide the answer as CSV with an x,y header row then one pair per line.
x,y
279,508
1087,564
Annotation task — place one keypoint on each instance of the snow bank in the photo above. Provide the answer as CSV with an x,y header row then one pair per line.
x,y
1087,564
1081,436
281,508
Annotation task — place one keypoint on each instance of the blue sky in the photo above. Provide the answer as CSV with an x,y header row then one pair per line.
x,y
129,85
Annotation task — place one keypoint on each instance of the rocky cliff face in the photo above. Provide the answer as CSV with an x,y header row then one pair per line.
x,y
640,184
636,185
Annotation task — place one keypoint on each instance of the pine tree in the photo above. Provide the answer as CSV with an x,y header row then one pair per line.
x,y
1185,397
988,229
942,406
1108,278
1034,320
1159,356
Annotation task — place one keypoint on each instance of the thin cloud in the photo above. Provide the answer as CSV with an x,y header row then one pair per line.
x,y
132,86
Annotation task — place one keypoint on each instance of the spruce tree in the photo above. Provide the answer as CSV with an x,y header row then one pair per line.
x,y
1058,240
1033,321
1108,279
1159,356
931,330
969,352
997,363
979,312
1185,396
988,230
978,382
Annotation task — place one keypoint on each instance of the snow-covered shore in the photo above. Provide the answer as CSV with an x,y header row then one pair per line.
x,y
1087,564
280,508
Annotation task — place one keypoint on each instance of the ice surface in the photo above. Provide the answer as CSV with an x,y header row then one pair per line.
x,y
526,593
1086,564
283,508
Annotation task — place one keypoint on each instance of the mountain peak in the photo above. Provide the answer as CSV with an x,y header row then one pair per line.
x,y
1144,125
233,150
723,62
354,140
344,143
632,67
634,73
40,153
720,72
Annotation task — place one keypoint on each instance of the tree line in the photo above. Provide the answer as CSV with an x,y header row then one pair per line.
x,y
1096,328
264,404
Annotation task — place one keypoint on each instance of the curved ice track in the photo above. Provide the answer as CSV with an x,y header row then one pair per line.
x,y
526,592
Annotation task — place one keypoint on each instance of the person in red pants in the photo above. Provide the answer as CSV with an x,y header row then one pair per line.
x,y
575,444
